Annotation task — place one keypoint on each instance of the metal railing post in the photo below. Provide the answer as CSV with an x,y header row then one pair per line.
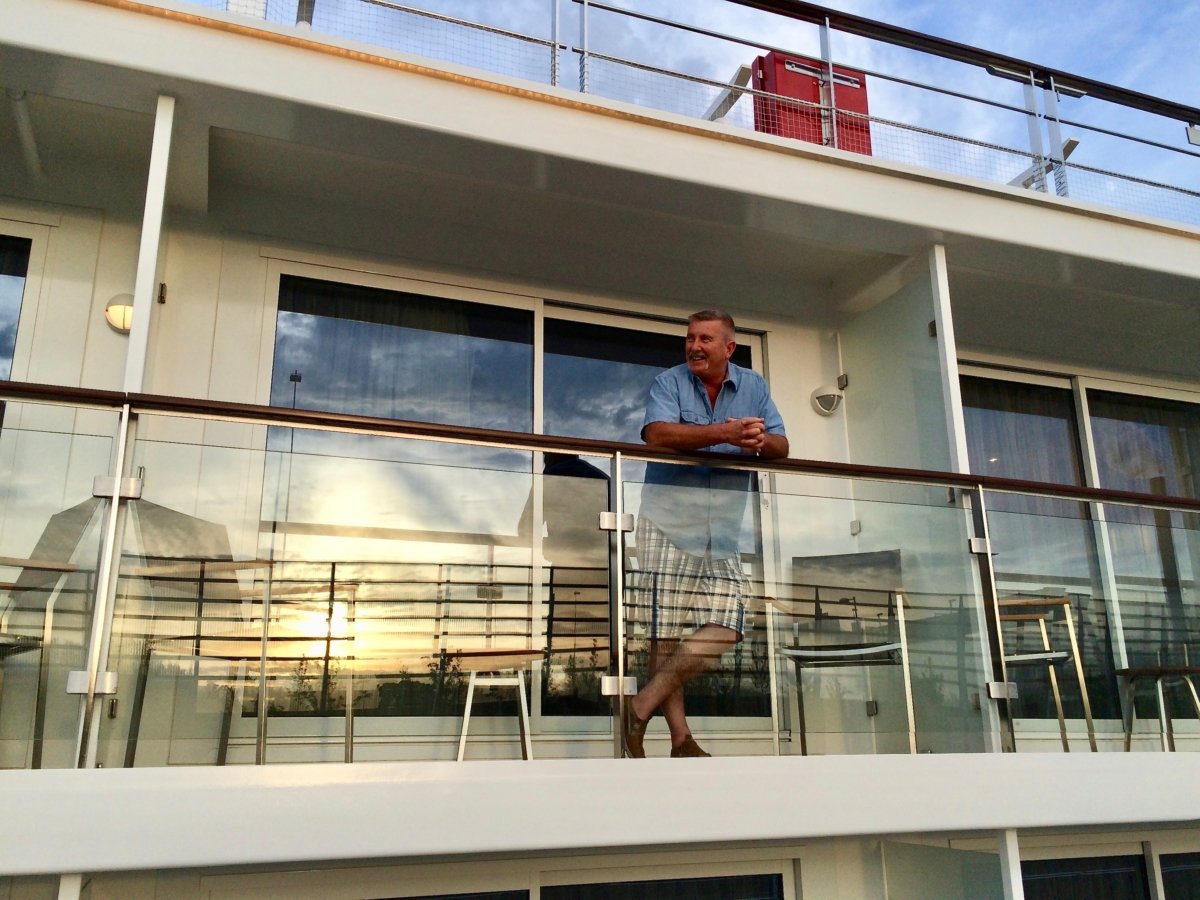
x,y
830,89
264,651
1034,123
555,25
304,13
616,576
583,47
108,570
1050,101
995,642
351,659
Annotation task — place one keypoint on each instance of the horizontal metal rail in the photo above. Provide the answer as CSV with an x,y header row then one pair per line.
x,y
937,89
1128,137
947,49
760,46
797,102
1146,182
478,26
254,414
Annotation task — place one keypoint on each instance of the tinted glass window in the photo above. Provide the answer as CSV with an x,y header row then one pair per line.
x,y
740,887
1181,875
597,377
1152,446
1091,878
14,266
1146,444
1041,546
398,355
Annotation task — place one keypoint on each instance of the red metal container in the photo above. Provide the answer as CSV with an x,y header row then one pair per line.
x,y
804,79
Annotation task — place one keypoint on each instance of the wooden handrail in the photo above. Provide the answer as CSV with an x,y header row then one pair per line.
x,y
316,419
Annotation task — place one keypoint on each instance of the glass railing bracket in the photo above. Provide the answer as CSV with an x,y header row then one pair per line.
x,y
1002,690
77,682
107,487
615,685
610,521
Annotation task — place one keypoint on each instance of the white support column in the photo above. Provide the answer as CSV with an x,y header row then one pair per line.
x,y
145,284
1153,872
1034,121
948,359
70,887
956,428
1010,865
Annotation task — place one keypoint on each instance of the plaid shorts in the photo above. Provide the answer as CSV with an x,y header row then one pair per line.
x,y
671,589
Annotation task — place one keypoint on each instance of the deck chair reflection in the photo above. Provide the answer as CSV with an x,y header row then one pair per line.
x,y
847,610
1045,616
486,630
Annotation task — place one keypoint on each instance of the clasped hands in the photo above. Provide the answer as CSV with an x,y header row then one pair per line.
x,y
750,433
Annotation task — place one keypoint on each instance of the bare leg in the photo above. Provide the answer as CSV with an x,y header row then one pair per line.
x,y
661,653
690,658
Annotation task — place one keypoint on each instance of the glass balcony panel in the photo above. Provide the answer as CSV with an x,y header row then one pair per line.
x,y
1048,568
1156,561
862,616
50,533
331,604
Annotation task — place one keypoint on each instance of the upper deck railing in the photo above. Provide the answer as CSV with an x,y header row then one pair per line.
x,y
899,95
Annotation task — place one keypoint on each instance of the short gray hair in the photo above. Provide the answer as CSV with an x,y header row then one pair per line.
x,y
714,315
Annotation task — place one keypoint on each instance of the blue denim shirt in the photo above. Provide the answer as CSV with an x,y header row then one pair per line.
x,y
700,508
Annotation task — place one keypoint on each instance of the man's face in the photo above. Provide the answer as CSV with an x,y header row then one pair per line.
x,y
707,348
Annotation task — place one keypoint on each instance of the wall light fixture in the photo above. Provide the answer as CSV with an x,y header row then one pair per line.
x,y
119,313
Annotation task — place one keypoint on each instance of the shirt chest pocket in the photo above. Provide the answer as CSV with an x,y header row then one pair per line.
x,y
695,417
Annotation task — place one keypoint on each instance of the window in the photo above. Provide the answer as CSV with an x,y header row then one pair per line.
x,y
374,352
1018,430
1089,878
14,266
369,351
1040,545
1181,875
597,376
737,887
1152,446
1146,444
423,530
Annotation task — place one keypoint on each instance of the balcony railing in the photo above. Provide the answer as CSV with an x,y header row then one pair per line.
x,y
845,82
270,585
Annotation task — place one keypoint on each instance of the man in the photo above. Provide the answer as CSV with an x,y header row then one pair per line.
x,y
689,571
